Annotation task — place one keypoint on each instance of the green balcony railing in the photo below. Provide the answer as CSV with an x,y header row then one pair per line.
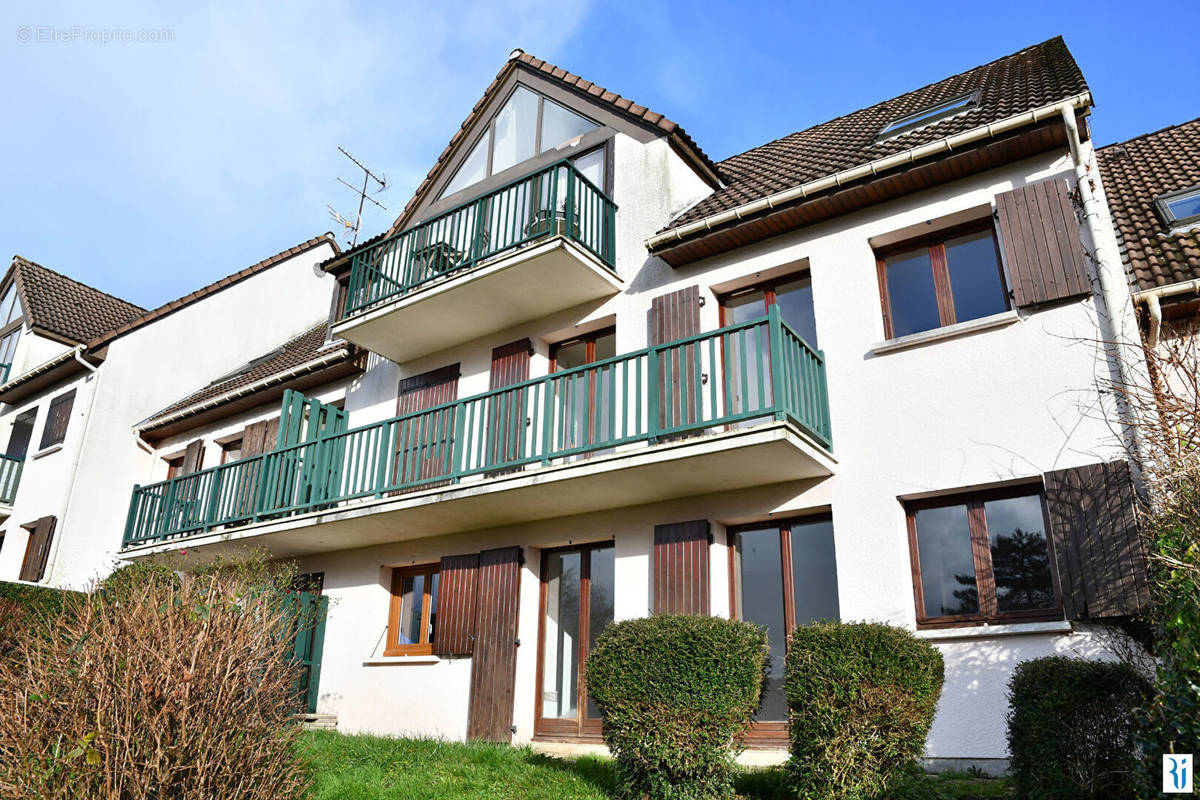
x,y
554,201
728,377
10,478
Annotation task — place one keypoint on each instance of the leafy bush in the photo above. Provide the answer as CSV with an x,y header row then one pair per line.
x,y
676,694
175,686
1071,728
25,610
861,698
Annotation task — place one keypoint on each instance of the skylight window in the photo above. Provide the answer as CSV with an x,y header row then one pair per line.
x,y
1181,208
930,115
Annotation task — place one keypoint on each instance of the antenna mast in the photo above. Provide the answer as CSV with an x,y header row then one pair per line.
x,y
352,228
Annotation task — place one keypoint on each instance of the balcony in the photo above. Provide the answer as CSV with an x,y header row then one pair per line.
x,y
742,406
533,247
10,478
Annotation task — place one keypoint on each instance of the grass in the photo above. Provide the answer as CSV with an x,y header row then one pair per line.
x,y
380,768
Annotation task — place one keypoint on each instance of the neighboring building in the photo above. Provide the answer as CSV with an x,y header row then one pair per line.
x,y
89,367
589,374
1153,186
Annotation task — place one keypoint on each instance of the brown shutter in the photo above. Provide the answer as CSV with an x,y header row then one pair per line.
x,y
419,453
506,411
494,664
676,316
681,568
1097,552
37,550
1042,243
454,634
193,457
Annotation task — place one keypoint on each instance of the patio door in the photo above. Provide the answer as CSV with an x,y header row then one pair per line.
x,y
584,399
576,607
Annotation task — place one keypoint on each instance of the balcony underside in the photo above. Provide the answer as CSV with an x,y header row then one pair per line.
x,y
761,455
516,287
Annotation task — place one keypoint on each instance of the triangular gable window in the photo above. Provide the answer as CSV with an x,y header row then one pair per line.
x,y
526,125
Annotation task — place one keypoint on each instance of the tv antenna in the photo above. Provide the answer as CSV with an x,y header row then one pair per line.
x,y
352,228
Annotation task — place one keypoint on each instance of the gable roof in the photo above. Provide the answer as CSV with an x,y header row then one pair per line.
x,y
1026,80
304,355
519,59
66,308
1134,174
213,288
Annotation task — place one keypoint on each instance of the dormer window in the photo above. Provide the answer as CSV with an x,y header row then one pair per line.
x,y
11,318
1180,209
526,125
929,115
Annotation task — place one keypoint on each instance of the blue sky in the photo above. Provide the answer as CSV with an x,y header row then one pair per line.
x,y
148,169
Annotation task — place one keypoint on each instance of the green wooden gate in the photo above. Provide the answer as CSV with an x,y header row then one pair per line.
x,y
308,641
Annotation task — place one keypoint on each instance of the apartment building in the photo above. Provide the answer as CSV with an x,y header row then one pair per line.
x,y
590,374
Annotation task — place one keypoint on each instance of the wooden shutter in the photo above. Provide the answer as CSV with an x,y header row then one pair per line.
x,y
1042,244
681,568
457,581
1097,552
420,453
676,315
259,437
494,664
37,550
506,411
193,457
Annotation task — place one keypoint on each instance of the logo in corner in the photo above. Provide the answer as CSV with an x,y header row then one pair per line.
x,y
1177,773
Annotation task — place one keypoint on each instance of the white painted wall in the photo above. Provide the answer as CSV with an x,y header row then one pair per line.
x,y
152,367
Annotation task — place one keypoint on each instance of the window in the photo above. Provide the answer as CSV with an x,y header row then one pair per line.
x,y
412,621
1182,208
57,419
982,557
585,397
577,605
954,276
22,432
11,315
783,574
231,451
793,295
174,466
929,115
526,125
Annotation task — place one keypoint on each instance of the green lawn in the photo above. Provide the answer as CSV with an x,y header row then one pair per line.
x,y
377,768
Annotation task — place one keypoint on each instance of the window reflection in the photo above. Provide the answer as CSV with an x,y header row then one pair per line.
x,y
975,278
911,293
947,564
560,675
1020,554
761,570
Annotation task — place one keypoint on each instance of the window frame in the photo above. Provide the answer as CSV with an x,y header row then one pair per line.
x,y
232,444
935,243
771,731
396,610
582,727
985,581
67,399
769,287
489,133
1163,204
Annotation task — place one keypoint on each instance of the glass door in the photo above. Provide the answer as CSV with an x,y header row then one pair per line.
x,y
576,607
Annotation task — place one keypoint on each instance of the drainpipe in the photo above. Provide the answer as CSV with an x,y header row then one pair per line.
x,y
1111,275
87,422
1151,298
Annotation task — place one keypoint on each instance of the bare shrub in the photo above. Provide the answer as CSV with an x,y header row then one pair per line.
x,y
172,685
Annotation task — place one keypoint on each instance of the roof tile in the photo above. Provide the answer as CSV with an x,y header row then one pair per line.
x,y
66,307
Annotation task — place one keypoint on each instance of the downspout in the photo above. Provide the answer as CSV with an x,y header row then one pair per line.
x,y
87,422
1111,276
1151,298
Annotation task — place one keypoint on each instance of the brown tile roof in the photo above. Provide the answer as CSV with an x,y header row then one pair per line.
x,y
1034,77
622,105
65,307
284,359
1135,173
213,288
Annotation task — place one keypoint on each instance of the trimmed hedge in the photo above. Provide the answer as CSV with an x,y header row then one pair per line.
x,y
38,599
677,694
1072,728
861,699
25,609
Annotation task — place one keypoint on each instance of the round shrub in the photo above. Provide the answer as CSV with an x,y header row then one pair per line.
x,y
861,698
1072,728
676,694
